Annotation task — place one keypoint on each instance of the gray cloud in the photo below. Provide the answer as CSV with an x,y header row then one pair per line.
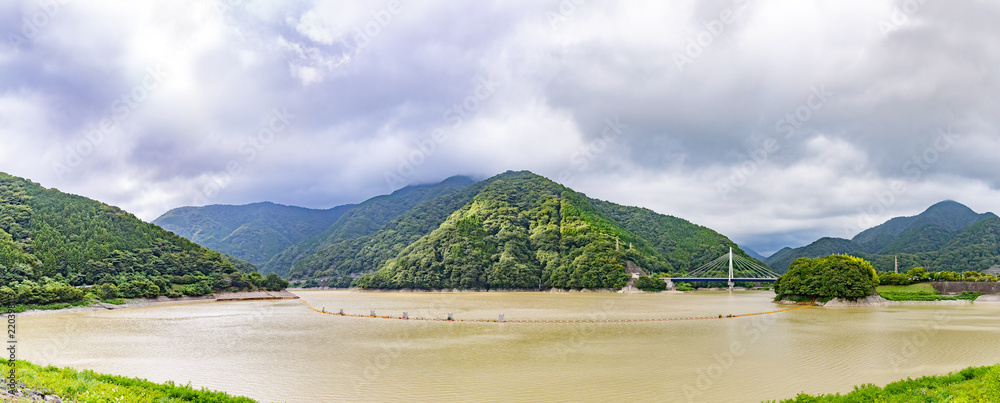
x,y
385,94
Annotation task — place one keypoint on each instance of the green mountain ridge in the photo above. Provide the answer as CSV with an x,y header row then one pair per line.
x,y
523,231
531,232
252,232
946,236
49,238
356,225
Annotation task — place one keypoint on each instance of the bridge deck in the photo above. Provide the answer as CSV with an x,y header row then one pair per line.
x,y
722,279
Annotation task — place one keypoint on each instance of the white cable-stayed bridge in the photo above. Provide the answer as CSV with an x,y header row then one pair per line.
x,y
730,268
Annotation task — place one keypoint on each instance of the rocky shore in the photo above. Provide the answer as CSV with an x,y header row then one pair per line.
x,y
877,300
21,392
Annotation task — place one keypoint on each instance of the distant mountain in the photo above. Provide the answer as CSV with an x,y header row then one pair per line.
x,y
252,232
336,245
781,259
519,230
516,230
752,253
945,229
925,232
47,236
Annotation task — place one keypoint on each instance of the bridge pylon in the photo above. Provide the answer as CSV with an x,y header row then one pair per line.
x,y
738,269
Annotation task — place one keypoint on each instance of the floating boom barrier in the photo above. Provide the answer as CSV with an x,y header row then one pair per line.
x,y
501,319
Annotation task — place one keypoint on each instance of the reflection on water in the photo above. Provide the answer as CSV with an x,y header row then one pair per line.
x,y
282,351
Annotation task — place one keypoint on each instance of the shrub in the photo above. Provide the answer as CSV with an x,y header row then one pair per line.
x,y
646,283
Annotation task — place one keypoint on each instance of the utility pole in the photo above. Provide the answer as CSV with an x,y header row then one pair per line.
x,y
897,263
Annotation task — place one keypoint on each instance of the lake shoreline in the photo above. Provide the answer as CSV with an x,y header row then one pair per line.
x,y
552,290
146,302
875,301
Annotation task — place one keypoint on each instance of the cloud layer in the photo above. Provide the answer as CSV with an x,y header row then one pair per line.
x,y
772,122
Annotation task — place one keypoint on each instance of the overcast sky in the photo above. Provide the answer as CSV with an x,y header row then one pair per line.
x,y
772,122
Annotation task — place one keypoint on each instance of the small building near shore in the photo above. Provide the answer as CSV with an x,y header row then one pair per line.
x,y
995,270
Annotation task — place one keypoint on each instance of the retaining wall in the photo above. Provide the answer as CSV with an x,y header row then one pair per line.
x,y
955,287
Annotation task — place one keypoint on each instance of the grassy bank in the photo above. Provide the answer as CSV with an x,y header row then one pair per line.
x,y
918,292
88,386
974,384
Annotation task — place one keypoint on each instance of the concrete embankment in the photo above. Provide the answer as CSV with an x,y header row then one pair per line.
x,y
957,287
254,295
143,302
871,300
993,299
877,300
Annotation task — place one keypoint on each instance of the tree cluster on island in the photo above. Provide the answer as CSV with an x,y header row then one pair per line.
x,y
834,276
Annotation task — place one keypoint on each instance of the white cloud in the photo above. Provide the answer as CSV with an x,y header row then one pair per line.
x,y
368,83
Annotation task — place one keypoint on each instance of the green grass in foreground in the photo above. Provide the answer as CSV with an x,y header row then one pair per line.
x,y
918,292
88,386
973,384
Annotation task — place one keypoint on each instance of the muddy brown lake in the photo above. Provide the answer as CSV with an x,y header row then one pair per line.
x,y
283,351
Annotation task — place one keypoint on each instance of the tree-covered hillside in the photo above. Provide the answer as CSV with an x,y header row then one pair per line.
x,y
253,232
354,227
781,259
56,240
522,231
977,248
946,236
683,245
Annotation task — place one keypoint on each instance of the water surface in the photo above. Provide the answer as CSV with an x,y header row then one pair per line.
x,y
282,351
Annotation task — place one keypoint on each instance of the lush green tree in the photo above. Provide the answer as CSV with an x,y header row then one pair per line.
x,y
834,276
7,295
895,279
274,283
647,283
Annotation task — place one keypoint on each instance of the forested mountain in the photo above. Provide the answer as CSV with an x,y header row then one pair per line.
x,y
925,232
781,259
946,236
519,230
49,239
253,232
752,253
340,243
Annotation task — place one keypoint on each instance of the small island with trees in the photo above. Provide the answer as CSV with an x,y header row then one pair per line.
x,y
853,279
822,279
